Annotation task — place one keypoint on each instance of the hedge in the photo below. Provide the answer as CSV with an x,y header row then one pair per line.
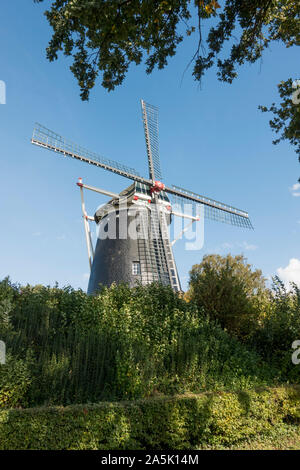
x,y
64,347
178,422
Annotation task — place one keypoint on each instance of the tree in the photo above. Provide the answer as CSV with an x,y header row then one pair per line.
x,y
287,116
280,330
229,291
106,36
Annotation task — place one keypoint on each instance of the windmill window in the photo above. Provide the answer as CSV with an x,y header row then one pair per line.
x,y
136,268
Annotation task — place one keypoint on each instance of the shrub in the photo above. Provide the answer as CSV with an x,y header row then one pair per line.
x,y
180,422
229,291
15,381
279,329
122,344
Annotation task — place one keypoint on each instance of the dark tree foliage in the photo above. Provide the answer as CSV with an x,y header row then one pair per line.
x,y
286,120
105,36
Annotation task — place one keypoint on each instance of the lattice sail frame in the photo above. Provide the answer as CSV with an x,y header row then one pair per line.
x,y
213,210
150,120
44,137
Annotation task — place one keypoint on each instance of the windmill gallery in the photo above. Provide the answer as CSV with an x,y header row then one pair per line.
x,y
145,256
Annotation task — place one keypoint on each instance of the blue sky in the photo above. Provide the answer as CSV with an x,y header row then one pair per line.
x,y
213,141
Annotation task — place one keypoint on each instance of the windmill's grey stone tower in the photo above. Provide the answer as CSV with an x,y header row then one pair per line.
x,y
133,243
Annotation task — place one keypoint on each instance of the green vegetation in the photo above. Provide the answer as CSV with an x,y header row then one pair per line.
x,y
264,320
185,422
209,369
284,437
230,291
66,347
103,38
278,329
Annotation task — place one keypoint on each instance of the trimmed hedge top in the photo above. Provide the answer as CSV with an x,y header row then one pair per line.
x,y
178,422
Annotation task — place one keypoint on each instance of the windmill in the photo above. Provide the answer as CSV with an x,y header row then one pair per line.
x,y
133,244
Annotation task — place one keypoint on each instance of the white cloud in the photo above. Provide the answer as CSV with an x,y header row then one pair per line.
x,y
85,275
237,246
294,189
248,246
291,273
226,245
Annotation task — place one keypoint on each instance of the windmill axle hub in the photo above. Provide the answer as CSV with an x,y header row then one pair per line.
x,y
157,187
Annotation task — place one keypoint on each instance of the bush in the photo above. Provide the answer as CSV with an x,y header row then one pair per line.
x,y
229,291
15,380
122,344
279,329
180,422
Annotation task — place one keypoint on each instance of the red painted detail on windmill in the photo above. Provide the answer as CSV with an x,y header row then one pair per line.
x,y
157,187
149,200
79,183
135,198
169,208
